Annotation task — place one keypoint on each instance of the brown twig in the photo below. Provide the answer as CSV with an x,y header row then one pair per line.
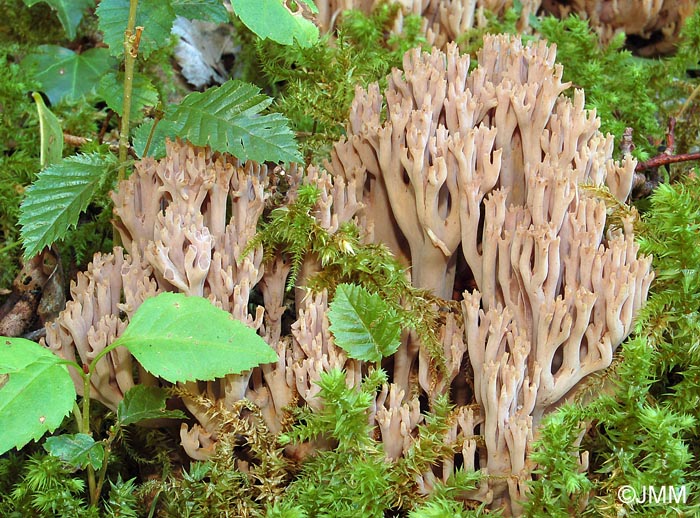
x,y
77,141
646,174
105,124
664,159
667,156
671,137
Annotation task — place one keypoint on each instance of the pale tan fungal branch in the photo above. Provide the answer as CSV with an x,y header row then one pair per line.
x,y
172,214
397,420
187,220
314,350
481,172
197,443
90,323
655,23
439,383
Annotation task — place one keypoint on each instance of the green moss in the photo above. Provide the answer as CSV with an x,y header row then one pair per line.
x,y
316,85
19,155
31,25
615,82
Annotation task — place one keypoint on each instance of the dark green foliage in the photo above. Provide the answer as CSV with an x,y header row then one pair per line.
x,y
672,316
228,122
155,16
353,478
642,431
343,417
41,486
206,489
122,501
471,41
19,163
560,487
70,13
363,324
276,21
227,118
32,25
677,81
346,476
292,230
207,10
431,449
93,233
317,84
61,192
65,74
445,500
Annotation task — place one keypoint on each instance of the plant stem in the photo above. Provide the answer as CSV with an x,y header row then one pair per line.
x,y
132,37
77,414
94,496
10,246
156,120
687,102
105,459
85,428
94,487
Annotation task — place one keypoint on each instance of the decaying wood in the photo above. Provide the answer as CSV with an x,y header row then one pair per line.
x,y
37,295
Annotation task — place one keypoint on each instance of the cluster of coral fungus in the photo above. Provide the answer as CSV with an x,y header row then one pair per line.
x,y
491,176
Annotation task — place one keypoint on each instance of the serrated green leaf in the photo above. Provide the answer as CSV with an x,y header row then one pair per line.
x,y
79,450
228,119
168,339
17,353
273,19
63,74
55,200
51,133
155,16
207,10
141,403
111,89
69,12
363,324
35,397
164,129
